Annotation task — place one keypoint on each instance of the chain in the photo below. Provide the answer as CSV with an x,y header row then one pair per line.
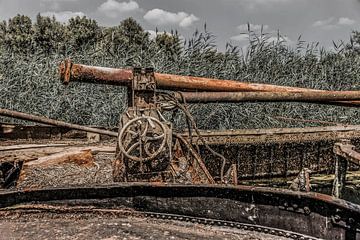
x,y
230,224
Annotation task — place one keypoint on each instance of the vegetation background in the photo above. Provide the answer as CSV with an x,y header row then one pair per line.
x,y
30,53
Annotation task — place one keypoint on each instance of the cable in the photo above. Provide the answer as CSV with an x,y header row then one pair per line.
x,y
191,122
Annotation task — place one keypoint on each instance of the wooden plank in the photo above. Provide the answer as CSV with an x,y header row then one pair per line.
x,y
81,157
48,167
32,154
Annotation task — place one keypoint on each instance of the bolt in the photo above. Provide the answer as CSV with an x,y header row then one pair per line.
x,y
337,218
307,210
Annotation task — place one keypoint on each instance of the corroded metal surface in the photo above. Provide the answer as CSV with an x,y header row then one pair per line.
x,y
312,214
79,72
70,71
177,82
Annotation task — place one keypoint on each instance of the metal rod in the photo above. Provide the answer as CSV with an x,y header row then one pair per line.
x,y
44,120
334,97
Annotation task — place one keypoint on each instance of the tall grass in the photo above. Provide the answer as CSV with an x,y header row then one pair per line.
x,y
30,83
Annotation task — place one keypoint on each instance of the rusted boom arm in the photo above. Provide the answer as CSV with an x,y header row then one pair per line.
x,y
83,73
123,77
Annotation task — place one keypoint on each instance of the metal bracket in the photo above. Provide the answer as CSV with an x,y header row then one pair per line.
x,y
142,93
144,79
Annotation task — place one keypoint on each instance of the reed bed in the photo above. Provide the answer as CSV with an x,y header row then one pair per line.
x,y
30,82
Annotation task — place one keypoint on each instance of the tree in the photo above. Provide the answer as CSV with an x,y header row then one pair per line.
x,y
48,34
170,44
19,34
129,35
82,32
133,33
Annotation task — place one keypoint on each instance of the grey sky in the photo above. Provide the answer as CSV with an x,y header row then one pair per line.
x,y
315,20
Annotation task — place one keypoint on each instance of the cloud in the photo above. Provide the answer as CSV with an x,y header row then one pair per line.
x,y
331,23
240,38
253,27
63,16
323,23
244,39
253,4
346,21
161,17
153,34
113,8
244,29
271,36
54,4
270,1
279,39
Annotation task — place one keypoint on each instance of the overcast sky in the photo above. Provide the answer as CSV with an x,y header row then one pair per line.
x,y
315,20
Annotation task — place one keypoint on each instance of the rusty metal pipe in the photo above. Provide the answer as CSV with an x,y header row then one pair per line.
x,y
83,73
44,120
177,82
333,97
123,77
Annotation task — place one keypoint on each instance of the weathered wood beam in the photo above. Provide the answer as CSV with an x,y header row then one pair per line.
x,y
32,152
348,152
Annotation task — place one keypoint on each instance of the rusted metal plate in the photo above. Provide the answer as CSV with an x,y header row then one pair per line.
x,y
312,214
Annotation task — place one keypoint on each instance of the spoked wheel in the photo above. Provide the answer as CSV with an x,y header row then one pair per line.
x,y
142,138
